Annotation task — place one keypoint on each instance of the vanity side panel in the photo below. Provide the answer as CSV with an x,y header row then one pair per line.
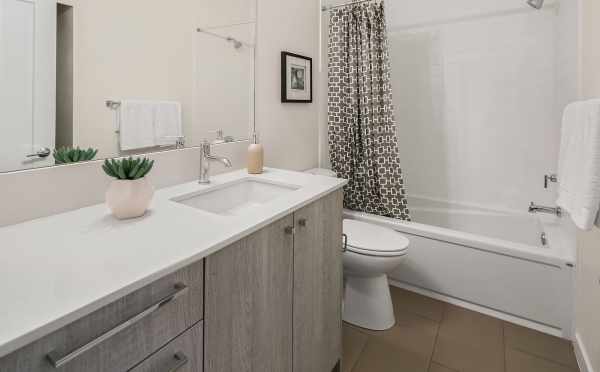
x,y
318,281
128,347
248,314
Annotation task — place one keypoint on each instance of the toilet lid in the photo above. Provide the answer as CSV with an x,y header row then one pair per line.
x,y
369,238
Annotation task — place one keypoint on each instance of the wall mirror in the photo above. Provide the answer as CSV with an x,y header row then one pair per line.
x,y
122,77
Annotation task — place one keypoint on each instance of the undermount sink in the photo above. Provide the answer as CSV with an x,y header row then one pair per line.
x,y
236,198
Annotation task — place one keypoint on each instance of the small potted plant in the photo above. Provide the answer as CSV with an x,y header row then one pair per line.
x,y
68,155
130,193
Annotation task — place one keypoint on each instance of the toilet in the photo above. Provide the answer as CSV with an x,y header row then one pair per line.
x,y
371,252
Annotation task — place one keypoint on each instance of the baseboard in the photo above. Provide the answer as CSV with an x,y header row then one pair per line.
x,y
482,309
583,359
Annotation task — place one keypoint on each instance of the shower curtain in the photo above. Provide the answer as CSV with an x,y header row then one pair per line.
x,y
362,132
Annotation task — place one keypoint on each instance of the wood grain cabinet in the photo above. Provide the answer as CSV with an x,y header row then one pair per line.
x,y
273,300
122,334
318,280
184,354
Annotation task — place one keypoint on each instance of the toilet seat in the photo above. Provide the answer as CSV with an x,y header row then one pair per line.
x,y
372,240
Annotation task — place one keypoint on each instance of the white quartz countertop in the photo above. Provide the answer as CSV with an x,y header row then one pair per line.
x,y
58,269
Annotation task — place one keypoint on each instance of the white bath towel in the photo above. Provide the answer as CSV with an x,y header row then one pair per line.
x,y
579,164
168,127
136,125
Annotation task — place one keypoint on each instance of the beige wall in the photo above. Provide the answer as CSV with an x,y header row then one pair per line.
x,y
289,132
588,272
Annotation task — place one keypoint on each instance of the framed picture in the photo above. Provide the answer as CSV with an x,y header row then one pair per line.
x,y
296,78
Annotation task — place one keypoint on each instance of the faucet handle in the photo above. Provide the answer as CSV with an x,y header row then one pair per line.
x,y
550,178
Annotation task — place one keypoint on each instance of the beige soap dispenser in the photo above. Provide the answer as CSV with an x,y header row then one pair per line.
x,y
256,156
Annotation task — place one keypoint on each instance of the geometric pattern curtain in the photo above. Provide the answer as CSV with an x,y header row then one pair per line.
x,y
362,132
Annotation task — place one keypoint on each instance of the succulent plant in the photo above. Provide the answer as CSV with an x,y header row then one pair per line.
x,y
128,168
67,155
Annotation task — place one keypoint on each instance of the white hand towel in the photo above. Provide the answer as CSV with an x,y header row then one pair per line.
x,y
168,127
579,164
136,125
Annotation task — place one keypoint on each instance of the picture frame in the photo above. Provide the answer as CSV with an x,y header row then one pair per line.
x,y
296,78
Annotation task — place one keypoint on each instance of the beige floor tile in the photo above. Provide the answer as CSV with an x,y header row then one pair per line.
x,y
517,361
353,343
411,333
470,342
380,356
540,344
440,368
417,304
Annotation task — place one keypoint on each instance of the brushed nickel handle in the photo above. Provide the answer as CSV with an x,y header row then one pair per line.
x,y
58,361
180,361
345,247
41,153
302,222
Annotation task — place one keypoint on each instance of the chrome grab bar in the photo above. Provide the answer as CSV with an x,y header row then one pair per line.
x,y
180,361
58,361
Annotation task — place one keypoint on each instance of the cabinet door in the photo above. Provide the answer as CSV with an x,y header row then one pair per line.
x,y
318,285
248,313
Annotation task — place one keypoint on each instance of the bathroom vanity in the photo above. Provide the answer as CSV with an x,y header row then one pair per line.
x,y
244,274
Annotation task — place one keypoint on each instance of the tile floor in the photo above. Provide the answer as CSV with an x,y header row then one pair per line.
x,y
432,336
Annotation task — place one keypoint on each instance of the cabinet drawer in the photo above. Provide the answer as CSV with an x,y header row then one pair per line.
x,y
120,335
184,354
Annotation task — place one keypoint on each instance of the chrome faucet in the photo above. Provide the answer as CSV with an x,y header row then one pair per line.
x,y
205,158
534,208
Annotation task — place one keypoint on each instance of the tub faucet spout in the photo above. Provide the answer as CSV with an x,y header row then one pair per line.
x,y
534,208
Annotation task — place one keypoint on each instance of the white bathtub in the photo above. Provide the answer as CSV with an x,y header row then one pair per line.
x,y
490,261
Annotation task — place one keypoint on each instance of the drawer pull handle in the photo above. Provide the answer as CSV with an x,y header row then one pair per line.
x,y
180,361
58,361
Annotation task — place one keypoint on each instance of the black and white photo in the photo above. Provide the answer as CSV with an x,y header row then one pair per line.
x,y
296,78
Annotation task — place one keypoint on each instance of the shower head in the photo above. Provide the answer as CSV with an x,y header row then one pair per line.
x,y
537,4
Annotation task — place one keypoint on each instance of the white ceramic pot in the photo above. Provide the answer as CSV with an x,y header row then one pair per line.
x,y
129,199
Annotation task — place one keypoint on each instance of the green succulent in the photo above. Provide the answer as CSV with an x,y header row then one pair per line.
x,y
67,155
128,168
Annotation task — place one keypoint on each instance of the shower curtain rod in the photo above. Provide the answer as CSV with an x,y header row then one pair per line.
x,y
326,8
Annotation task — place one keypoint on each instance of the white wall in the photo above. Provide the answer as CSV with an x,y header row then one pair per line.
x,y
588,266
289,132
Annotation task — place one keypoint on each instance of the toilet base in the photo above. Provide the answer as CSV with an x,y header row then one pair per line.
x,y
368,302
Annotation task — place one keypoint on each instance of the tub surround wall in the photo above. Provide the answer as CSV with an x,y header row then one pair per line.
x,y
472,86
288,131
